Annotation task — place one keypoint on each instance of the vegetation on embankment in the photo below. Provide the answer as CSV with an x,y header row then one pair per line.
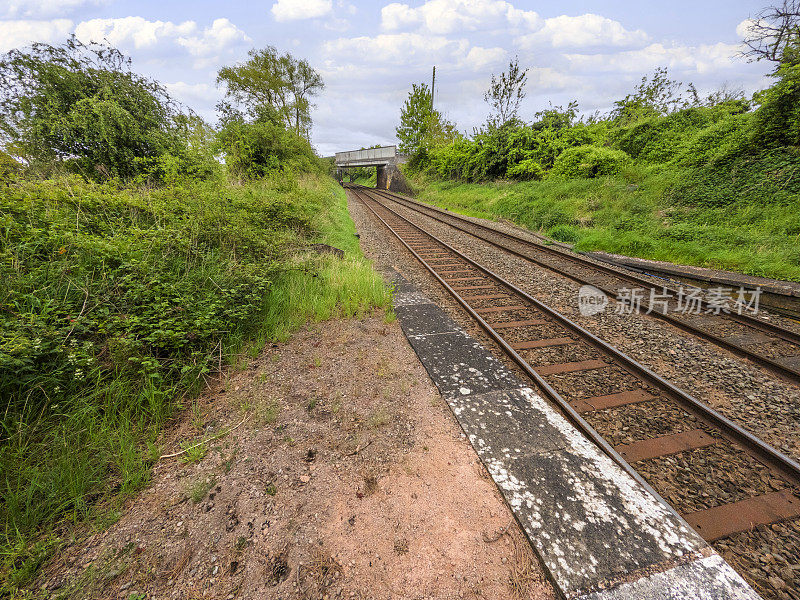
x,y
701,185
135,267
637,214
666,174
118,303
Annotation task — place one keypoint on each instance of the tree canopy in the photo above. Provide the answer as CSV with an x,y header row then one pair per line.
x,y
80,104
269,82
506,93
421,126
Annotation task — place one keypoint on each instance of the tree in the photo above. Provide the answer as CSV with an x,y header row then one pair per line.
x,y
415,116
654,96
774,30
269,81
422,127
81,105
505,94
774,35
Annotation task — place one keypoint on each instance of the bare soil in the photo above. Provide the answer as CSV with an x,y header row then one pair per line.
x,y
345,476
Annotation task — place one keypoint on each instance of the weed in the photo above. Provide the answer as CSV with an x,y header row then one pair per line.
x,y
198,420
200,488
266,412
312,403
270,489
193,451
126,300
379,418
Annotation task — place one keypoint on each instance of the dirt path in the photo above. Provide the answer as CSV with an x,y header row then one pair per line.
x,y
349,478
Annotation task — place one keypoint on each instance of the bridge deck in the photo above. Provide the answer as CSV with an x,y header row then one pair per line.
x,y
369,157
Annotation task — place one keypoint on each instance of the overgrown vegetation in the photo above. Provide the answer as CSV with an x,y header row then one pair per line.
x,y
134,267
666,174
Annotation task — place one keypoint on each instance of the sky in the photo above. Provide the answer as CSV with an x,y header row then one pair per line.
x,y
369,53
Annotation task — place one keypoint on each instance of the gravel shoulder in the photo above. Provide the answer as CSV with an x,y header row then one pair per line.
x,y
347,477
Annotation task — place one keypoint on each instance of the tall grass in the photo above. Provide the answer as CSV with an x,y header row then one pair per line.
x,y
118,304
637,214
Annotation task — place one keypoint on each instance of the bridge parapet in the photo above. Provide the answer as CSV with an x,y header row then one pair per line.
x,y
370,157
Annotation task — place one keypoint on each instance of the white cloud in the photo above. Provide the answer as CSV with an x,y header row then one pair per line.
x,y
448,16
410,50
743,29
221,35
44,8
140,33
14,34
582,31
479,58
702,59
198,96
291,10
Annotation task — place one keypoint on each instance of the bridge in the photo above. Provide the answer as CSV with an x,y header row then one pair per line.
x,y
384,158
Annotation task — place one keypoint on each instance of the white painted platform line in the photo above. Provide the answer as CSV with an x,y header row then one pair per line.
x,y
598,533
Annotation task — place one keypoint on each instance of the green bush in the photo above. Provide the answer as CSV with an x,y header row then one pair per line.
x,y
727,137
526,170
117,302
80,106
778,118
589,161
256,148
565,233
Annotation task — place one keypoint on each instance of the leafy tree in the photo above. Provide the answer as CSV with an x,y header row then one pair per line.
x,y
414,118
255,147
8,167
556,117
81,105
276,82
775,36
774,29
505,94
422,127
654,96
778,117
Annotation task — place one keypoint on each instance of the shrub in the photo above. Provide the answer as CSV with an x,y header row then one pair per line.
x,y
527,170
81,106
565,233
589,161
725,138
259,147
778,118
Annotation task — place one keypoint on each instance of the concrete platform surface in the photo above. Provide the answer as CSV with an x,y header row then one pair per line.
x,y
598,533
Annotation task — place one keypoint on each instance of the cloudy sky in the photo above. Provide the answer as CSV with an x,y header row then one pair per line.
x,y
370,52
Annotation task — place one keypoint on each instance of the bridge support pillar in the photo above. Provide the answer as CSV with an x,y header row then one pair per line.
x,y
383,176
391,178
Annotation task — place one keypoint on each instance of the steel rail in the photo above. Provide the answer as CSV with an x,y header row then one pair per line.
x,y
745,320
757,448
571,414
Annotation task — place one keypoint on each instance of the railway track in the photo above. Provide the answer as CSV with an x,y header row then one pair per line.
x,y
729,481
767,344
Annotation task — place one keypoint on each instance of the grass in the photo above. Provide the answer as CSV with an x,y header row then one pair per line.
x,y
193,451
117,305
636,214
200,489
